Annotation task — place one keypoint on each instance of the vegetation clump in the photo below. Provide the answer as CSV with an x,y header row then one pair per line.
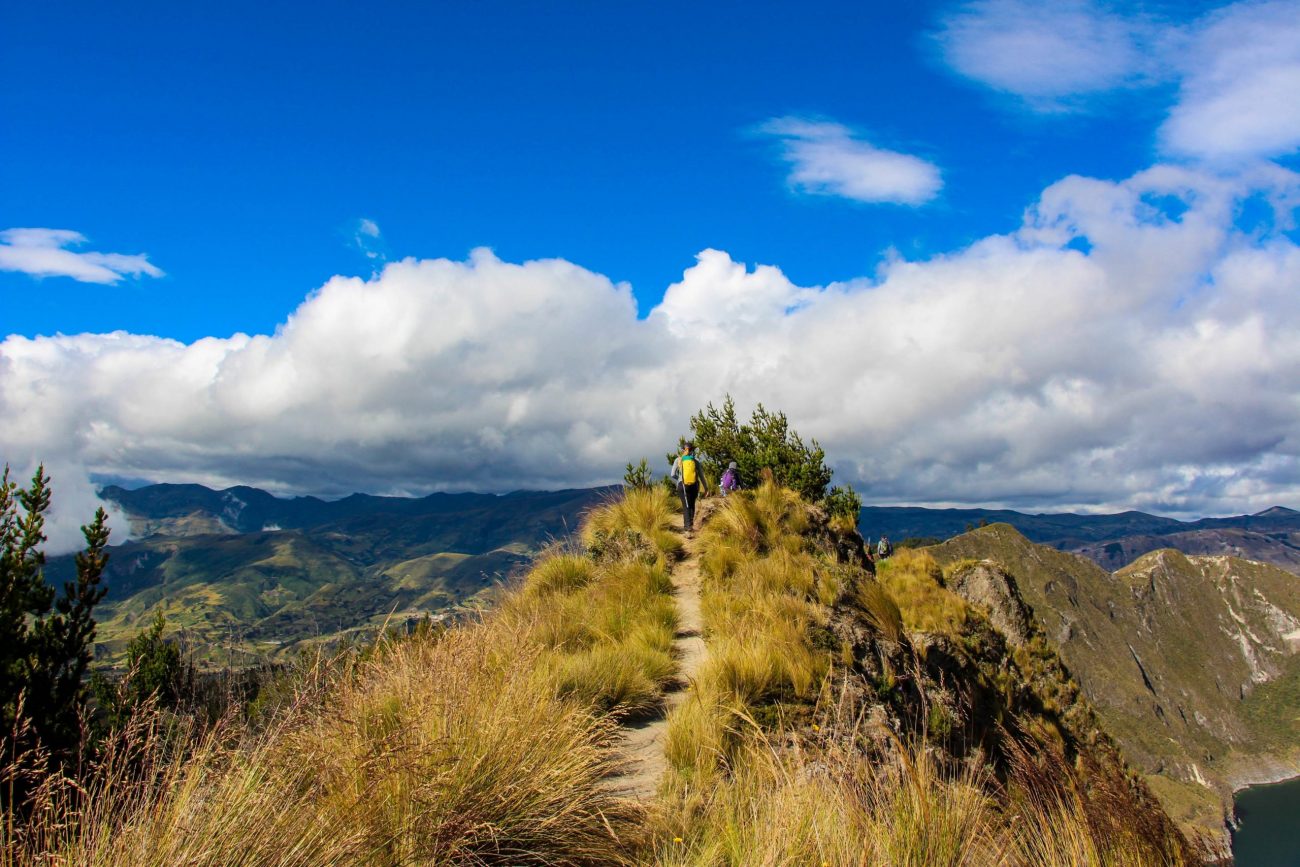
x,y
764,597
486,743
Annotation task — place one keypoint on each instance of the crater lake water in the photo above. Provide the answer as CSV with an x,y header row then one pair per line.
x,y
1270,826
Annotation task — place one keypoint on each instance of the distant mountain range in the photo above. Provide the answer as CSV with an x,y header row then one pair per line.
x,y
1112,541
248,576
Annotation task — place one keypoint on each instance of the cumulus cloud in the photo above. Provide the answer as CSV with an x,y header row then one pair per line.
x,y
1236,69
1160,369
45,253
826,159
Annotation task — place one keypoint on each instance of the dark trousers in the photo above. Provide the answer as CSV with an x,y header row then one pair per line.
x,y
689,493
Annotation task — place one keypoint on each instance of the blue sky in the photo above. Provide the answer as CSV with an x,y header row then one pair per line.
x,y
989,252
239,145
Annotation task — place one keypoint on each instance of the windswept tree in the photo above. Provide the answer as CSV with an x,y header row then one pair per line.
x,y
46,637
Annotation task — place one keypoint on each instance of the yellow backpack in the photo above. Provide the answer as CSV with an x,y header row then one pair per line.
x,y
688,469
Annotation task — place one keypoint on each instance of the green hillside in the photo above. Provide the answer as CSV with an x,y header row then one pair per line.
x,y
1190,661
241,596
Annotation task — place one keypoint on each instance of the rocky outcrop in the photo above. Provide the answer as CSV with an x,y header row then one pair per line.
x,y
842,542
988,689
991,589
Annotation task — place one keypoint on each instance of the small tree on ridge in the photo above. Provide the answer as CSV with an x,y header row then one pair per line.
x,y
767,441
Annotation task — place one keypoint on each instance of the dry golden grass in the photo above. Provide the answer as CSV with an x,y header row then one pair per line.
x,y
433,750
648,513
488,744
607,638
761,595
755,522
882,611
829,805
561,573
483,745
790,800
749,787
914,581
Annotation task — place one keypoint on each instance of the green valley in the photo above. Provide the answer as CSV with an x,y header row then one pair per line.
x,y
246,577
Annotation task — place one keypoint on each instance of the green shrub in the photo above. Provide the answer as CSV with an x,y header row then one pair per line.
x,y
638,477
844,503
765,442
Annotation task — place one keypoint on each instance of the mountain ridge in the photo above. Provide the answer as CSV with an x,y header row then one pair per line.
x,y
1193,662
1110,540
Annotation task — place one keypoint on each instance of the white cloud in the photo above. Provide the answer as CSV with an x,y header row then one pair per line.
x,y
1160,369
367,238
826,159
44,253
1237,69
1240,93
1049,55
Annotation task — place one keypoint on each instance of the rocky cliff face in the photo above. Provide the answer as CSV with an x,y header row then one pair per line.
x,y
957,657
1190,662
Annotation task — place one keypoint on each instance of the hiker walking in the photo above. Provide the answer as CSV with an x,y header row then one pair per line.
x,y
689,479
730,479
884,548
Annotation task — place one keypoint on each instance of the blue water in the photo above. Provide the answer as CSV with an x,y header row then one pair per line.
x,y
1270,826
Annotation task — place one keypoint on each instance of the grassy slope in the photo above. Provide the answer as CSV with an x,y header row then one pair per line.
x,y
484,744
809,740
489,743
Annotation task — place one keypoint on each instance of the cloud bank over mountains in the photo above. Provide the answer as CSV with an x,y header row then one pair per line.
x,y
1133,344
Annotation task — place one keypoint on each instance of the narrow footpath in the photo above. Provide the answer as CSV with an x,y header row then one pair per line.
x,y
643,740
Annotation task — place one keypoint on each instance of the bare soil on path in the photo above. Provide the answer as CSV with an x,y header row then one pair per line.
x,y
643,740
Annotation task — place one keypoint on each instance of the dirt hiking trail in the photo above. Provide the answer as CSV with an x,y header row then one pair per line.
x,y
643,740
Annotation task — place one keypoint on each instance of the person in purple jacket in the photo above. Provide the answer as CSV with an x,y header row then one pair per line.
x,y
730,479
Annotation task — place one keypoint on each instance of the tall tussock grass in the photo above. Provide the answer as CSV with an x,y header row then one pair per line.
x,y
646,514
881,610
605,631
761,593
843,795
492,743
914,580
789,798
489,743
768,770
829,802
1083,813
431,750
